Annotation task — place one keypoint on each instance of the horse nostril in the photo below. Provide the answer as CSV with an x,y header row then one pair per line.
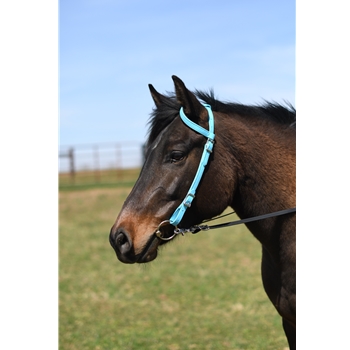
x,y
123,242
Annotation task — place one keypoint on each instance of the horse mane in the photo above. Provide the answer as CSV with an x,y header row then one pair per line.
x,y
162,116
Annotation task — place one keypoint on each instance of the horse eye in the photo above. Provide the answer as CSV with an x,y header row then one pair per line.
x,y
176,156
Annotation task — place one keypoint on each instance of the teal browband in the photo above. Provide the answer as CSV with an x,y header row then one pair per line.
x,y
208,147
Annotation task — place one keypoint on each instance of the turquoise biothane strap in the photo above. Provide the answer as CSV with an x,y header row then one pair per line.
x,y
209,134
208,148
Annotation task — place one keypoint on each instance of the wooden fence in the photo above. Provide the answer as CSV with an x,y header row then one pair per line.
x,y
96,163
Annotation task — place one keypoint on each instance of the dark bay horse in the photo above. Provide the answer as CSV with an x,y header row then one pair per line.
x,y
251,168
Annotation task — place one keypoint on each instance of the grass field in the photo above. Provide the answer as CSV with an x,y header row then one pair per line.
x,y
100,178
202,292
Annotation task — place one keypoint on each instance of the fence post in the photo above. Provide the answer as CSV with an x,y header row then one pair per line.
x,y
97,165
71,164
119,162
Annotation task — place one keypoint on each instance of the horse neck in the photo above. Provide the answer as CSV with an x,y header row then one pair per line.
x,y
262,154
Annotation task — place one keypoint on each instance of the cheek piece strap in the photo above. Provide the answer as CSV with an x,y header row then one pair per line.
x,y
208,148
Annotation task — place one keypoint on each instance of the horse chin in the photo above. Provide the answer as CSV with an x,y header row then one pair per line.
x,y
147,257
149,252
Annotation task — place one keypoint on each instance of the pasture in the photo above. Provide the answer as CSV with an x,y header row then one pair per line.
x,y
203,291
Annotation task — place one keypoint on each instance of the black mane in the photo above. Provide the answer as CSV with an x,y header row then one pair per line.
x,y
166,113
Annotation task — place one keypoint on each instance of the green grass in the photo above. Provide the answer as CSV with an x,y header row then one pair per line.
x,y
203,291
83,180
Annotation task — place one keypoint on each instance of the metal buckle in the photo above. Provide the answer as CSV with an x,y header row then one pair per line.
x,y
186,204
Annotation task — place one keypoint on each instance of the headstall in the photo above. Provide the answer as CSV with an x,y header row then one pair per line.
x,y
178,214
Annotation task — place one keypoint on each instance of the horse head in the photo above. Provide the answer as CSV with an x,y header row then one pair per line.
x,y
173,153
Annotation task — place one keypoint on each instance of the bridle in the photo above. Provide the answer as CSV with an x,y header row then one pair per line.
x,y
178,214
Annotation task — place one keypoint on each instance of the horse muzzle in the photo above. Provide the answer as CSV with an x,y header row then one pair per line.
x,y
123,246
142,249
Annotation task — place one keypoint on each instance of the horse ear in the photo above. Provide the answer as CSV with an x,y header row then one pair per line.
x,y
157,97
193,109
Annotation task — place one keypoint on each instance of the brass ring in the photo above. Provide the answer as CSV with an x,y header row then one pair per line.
x,y
158,233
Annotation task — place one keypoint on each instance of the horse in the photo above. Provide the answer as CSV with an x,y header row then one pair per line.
x,y
250,167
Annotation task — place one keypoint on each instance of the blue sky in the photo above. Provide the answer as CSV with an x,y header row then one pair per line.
x,y
111,50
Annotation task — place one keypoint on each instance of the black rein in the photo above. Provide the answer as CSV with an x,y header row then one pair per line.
x,y
198,228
